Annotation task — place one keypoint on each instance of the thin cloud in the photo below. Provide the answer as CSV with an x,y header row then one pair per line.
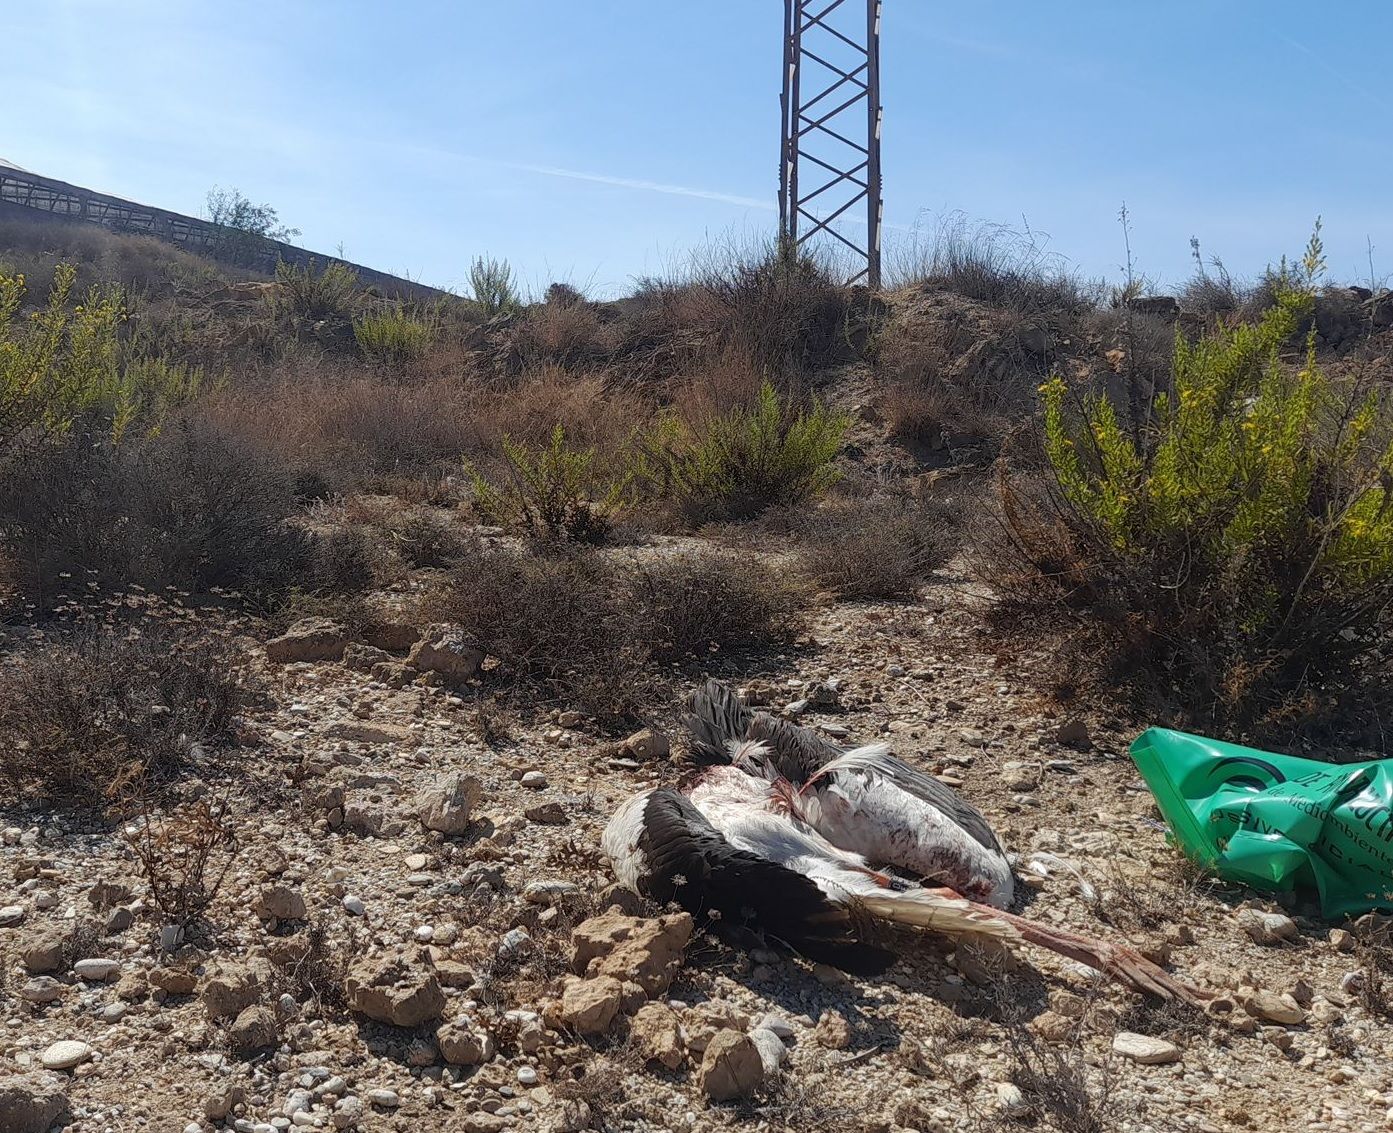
x,y
637,183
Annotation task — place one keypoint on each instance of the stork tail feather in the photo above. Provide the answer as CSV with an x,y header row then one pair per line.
x,y
930,909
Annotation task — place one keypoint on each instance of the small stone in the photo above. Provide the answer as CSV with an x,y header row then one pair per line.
x,y
174,981
445,651
1145,1049
1018,776
96,970
590,1006
1267,928
41,989
280,903
533,780
1275,1008
972,737
392,989
527,1076
309,639
1342,939
656,1034
447,805
1011,1101
549,892
833,1031
42,948
65,1054
731,1067
464,1044
348,1112
253,1030
11,915
547,814
385,1099
647,744
31,1103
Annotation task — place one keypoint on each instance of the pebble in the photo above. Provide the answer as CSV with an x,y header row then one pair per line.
x,y
96,970
354,905
527,1076
387,1099
1145,1049
1267,928
424,933
41,989
11,915
65,1054
533,780
972,737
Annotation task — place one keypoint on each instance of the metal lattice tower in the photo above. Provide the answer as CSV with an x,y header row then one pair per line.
x,y
830,152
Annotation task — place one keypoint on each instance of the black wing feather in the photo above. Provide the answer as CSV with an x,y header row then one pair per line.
x,y
690,862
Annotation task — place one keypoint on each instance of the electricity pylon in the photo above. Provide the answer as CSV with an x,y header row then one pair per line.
x,y
830,152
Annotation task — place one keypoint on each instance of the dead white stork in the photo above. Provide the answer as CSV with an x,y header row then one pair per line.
x,y
737,847
864,800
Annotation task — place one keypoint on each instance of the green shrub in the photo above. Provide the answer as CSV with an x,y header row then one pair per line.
x,y
58,364
307,295
1233,549
557,491
491,282
66,364
391,336
739,463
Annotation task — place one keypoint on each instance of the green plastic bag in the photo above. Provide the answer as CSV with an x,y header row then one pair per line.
x,y
1276,822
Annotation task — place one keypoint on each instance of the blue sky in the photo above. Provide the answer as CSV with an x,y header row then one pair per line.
x,y
596,140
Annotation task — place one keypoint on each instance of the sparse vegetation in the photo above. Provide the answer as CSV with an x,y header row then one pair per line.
x,y
557,492
492,285
107,710
184,856
873,548
737,464
590,626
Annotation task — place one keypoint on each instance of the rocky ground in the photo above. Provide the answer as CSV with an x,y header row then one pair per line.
x,y
418,931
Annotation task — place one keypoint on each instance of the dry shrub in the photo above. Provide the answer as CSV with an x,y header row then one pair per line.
x,y
424,539
784,312
591,627
568,333
105,706
873,548
995,264
594,413
347,430
916,415
140,264
184,856
196,507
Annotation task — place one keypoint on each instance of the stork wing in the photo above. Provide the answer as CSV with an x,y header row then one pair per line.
x,y
690,862
716,718
875,759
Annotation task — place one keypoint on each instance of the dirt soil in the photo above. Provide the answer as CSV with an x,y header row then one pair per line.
x,y
948,1040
